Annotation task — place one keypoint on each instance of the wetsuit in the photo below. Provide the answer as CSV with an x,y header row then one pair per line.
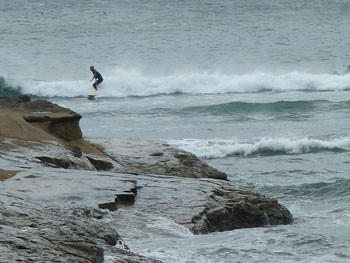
x,y
98,78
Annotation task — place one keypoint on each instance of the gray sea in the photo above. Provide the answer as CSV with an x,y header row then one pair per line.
x,y
254,88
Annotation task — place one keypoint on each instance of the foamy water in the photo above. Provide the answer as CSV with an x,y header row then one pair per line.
x,y
123,83
264,146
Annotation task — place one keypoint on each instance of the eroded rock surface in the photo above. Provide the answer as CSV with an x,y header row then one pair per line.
x,y
52,180
208,205
60,122
201,205
53,136
155,157
34,232
50,134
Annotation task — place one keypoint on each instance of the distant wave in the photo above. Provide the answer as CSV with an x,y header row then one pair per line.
x,y
337,188
212,149
123,83
248,107
248,111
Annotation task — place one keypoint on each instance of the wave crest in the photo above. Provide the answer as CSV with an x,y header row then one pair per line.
x,y
212,149
8,90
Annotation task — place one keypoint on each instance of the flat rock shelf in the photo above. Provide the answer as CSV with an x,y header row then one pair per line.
x,y
56,188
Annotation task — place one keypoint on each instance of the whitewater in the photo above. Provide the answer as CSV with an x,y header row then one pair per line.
x,y
123,83
254,88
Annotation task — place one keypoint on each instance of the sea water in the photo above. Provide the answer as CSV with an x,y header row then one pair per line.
x,y
254,88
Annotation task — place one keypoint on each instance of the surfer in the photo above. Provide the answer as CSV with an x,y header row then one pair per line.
x,y
97,76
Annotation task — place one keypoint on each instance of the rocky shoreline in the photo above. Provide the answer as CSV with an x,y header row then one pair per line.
x,y
52,181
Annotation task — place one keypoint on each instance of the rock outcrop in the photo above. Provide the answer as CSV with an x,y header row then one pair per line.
x,y
201,205
52,180
44,127
155,157
50,118
60,122
49,133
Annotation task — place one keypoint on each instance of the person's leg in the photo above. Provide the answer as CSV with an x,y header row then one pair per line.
x,y
98,82
95,85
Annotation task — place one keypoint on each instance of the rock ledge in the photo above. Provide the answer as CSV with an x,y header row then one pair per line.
x,y
52,180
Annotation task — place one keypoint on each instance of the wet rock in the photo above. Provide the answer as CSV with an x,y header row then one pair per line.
x,y
55,217
76,151
126,197
6,174
63,163
100,163
41,121
34,232
111,206
208,205
201,205
236,207
155,157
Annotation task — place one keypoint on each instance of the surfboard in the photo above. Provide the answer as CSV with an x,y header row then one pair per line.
x,y
92,96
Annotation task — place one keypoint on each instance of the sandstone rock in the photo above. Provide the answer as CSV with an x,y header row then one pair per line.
x,y
6,174
201,205
126,197
42,121
101,163
33,232
43,127
155,157
208,205
56,120
76,151
52,219
14,102
232,207
111,206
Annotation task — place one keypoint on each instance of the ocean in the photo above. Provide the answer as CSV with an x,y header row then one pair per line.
x,y
252,87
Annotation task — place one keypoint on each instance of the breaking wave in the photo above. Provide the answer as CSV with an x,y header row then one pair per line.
x,y
7,90
212,149
123,83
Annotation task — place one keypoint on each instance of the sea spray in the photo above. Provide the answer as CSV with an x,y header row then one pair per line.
x,y
7,89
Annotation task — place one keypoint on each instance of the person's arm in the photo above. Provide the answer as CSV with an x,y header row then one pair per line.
x,y
93,77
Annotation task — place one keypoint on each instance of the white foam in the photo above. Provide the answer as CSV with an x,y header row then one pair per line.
x,y
222,148
121,82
